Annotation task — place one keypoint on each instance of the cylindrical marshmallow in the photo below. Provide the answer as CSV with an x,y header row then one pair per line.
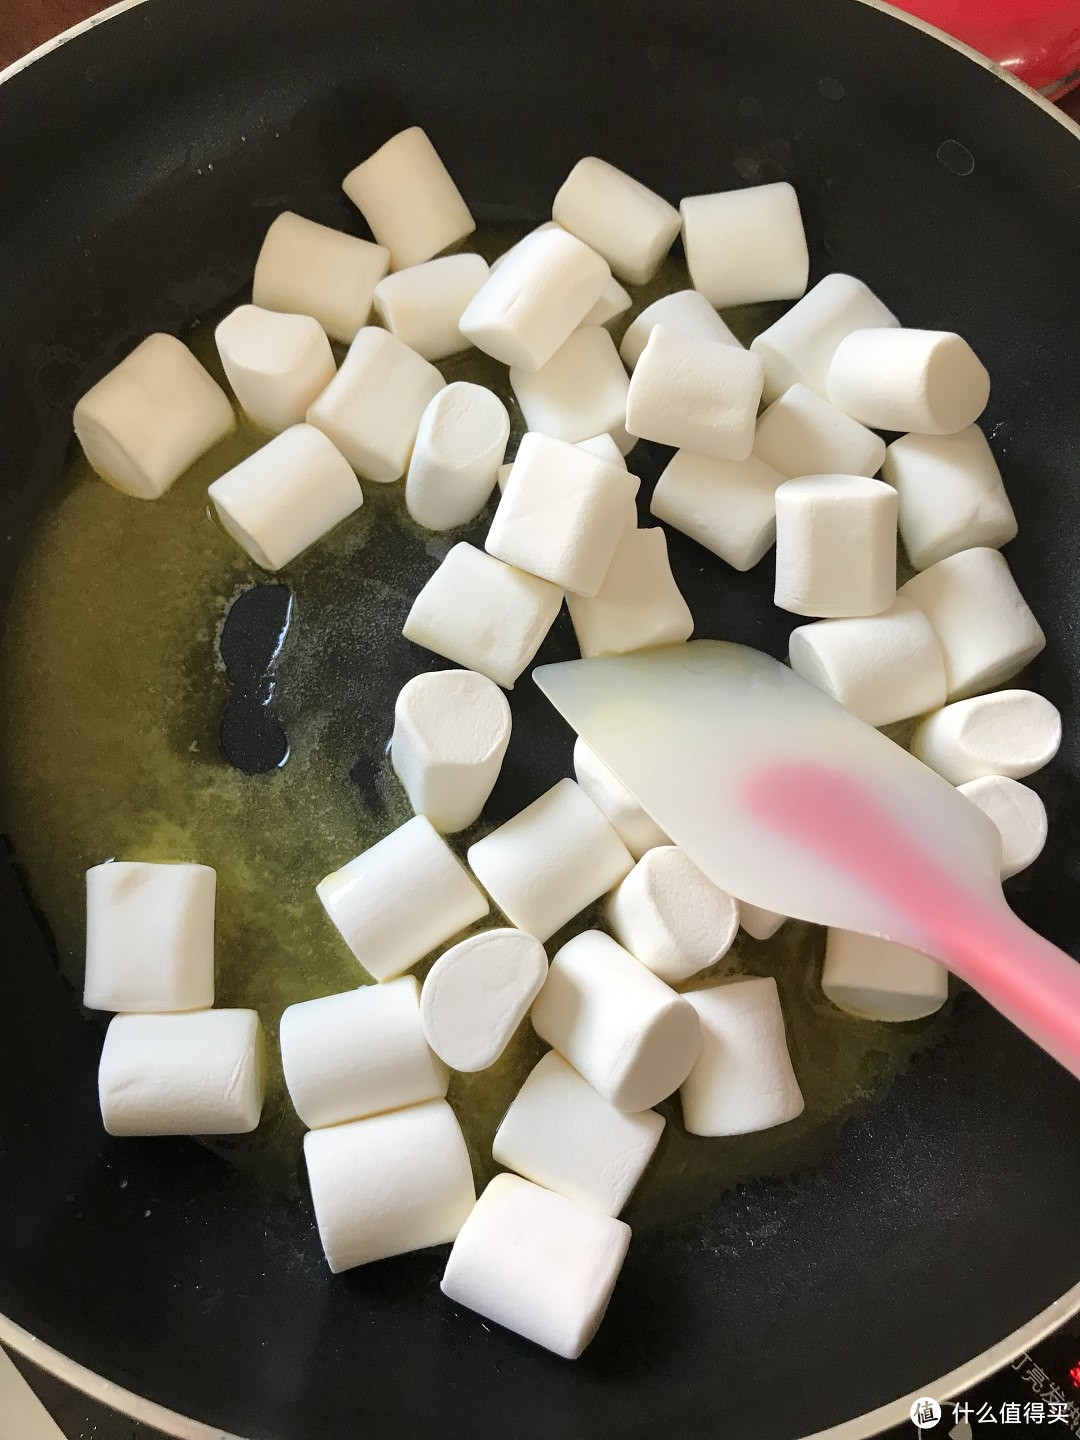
x,y
986,631
579,392
459,448
276,364
613,301
759,924
882,668
1010,732
389,1184
743,246
1018,813
536,230
287,495
200,1073
639,605
423,305
671,917
877,979
451,730
835,546
604,448
537,1263
743,1080
309,269
702,395
801,434
477,994
550,860
630,1036
635,829
928,381
149,936
624,221
401,899
729,506
684,310
359,1053
405,193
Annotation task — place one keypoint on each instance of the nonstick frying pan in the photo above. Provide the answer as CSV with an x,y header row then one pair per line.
x,y
944,1218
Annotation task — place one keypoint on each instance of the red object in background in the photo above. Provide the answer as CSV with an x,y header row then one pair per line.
x,y
1074,1375
1038,40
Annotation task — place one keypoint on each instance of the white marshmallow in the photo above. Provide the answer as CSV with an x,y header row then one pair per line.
x,y
309,269
746,245
729,506
451,730
549,861
459,447
288,494
536,230
389,1184
696,394
624,221
1019,815
759,924
614,300
929,381
684,310
503,474
801,434
149,936
1010,732
151,417
639,604
483,614
670,917
537,1264
638,831
985,629
882,668
580,392
200,1073
561,1134
477,994
877,979
373,406
530,303
604,448
401,899
406,195
951,495
742,1080
276,364
835,545
356,1054
423,305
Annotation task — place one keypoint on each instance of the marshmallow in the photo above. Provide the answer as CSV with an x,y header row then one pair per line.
x,y
882,668
686,311
800,434
580,392
276,364
983,624
638,831
389,1184
746,245
351,1055
561,514
877,979
798,348
286,495
613,301
530,303
200,1073
835,545
759,924
546,863
149,936
630,1036
742,1080
1019,815
477,994
483,614
624,221
372,407
537,1263
503,474
561,1134
639,604
929,381
401,899
696,394
406,195
729,506
1011,732
537,230
459,447
308,269
423,305
151,417
951,495
604,448
670,917
451,730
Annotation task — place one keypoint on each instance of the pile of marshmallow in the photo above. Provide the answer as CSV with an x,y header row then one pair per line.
x,y
627,1017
